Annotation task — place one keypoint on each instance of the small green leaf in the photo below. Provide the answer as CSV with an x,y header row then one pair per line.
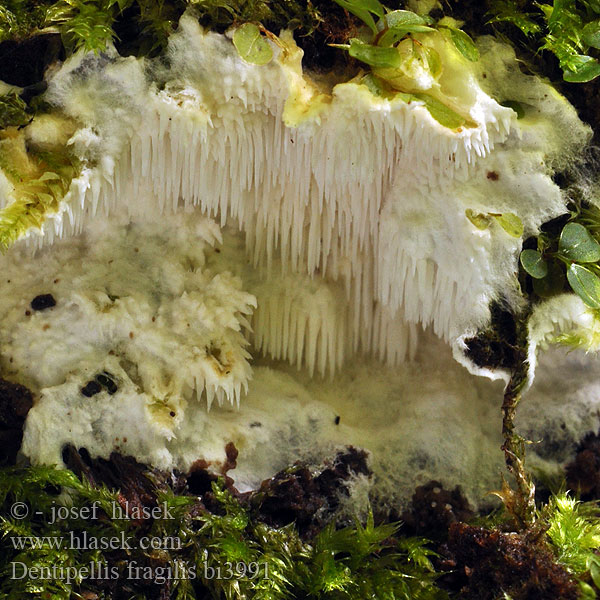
x,y
442,113
508,14
45,198
552,284
534,264
594,568
251,45
123,4
378,87
395,34
403,18
434,61
582,70
510,223
480,220
374,55
56,189
464,44
585,284
48,176
516,106
591,34
363,9
576,243
587,591
399,24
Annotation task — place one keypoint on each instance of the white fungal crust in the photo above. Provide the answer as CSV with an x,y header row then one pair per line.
x,y
352,206
564,319
223,207
140,292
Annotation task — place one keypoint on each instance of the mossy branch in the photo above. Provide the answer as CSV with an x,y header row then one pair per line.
x,y
522,504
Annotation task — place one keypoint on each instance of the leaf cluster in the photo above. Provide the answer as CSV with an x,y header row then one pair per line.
x,y
19,18
353,563
92,24
569,29
573,254
397,59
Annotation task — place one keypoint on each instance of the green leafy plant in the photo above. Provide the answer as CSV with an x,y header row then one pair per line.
x,y
86,24
19,18
574,254
569,29
92,24
401,66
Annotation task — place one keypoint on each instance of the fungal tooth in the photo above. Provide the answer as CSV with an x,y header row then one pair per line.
x,y
346,218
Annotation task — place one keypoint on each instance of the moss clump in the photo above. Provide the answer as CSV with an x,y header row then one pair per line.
x,y
13,111
142,27
218,553
40,180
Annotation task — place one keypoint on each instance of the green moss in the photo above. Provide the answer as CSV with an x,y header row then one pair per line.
x,y
569,29
144,24
13,111
356,562
20,18
573,531
34,197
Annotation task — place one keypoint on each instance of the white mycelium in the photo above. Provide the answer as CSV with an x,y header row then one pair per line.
x,y
343,215
143,294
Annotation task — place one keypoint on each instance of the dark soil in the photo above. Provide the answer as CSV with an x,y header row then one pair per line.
x,y
497,347
583,474
15,402
487,564
472,12
137,484
43,302
296,495
584,97
337,27
433,509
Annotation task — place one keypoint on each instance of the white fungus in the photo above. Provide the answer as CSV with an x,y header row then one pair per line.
x,y
342,217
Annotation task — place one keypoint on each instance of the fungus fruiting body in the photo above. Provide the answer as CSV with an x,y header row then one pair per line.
x,y
210,223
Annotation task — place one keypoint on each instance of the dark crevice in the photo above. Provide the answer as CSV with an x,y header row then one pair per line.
x,y
497,347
